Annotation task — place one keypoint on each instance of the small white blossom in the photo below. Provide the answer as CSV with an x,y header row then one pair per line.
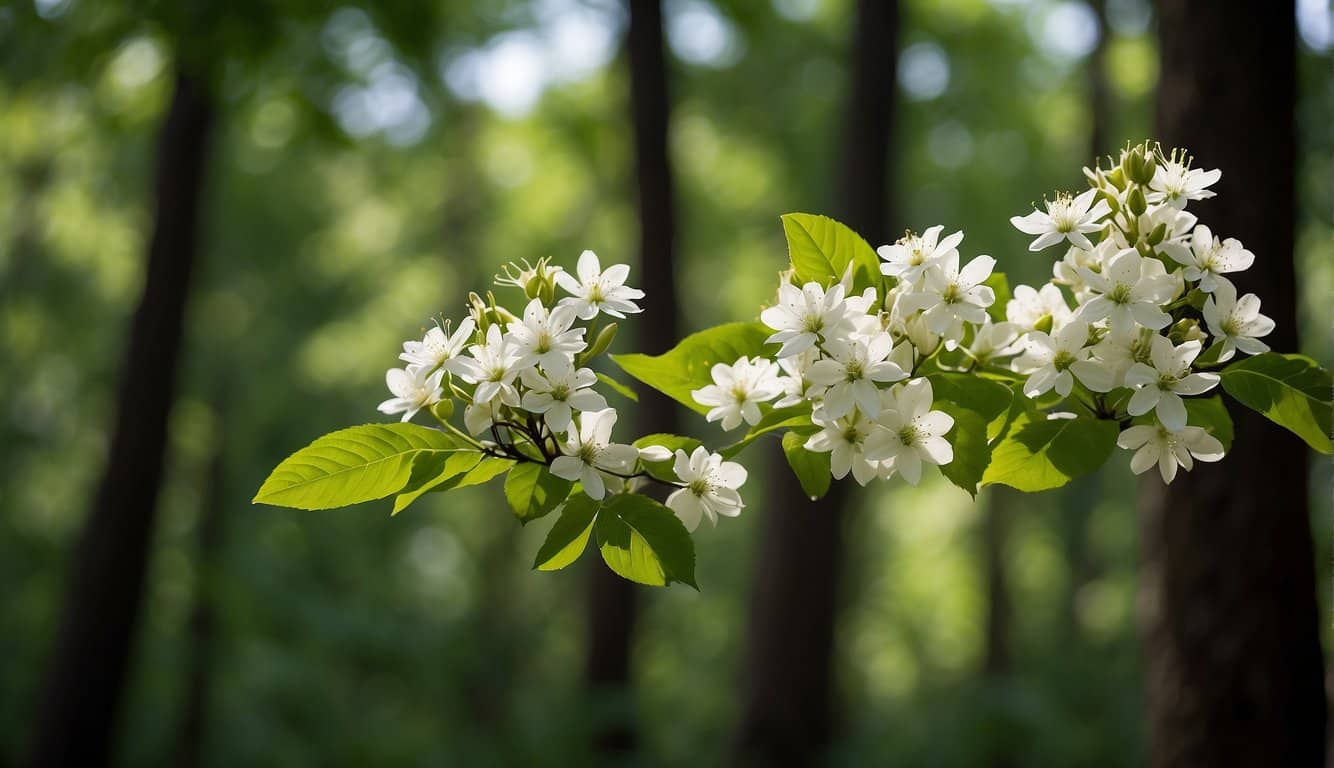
x,y
851,372
544,336
1176,182
844,439
414,388
951,296
1029,307
710,488
1237,322
588,451
794,383
1067,218
493,367
1130,290
479,416
803,315
993,340
910,257
1156,444
558,391
913,434
1118,350
1207,258
1159,387
436,347
597,290
738,389
1053,362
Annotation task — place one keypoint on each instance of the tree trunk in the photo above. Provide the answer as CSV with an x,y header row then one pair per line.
x,y
1229,608
88,666
788,697
612,600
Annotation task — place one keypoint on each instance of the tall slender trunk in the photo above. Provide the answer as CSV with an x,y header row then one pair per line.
x,y
612,600
787,703
1230,621
202,628
88,666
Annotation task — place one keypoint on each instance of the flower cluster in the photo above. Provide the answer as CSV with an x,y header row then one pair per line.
x,y
528,396
853,359
1153,307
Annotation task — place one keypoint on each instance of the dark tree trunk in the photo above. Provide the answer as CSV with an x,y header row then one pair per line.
x,y
1230,619
787,703
190,746
612,600
88,665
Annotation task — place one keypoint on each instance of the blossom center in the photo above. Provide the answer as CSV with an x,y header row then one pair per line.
x,y
1120,294
908,435
588,452
700,486
1062,360
560,392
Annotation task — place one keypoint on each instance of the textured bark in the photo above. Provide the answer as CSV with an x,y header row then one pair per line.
x,y
612,600
88,666
787,707
1229,607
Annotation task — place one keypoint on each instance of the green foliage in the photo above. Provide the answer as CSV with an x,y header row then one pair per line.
x,y
352,465
968,437
984,397
533,492
794,417
431,472
810,467
685,367
621,389
1290,390
663,469
568,538
1038,455
1211,414
1001,285
642,540
821,250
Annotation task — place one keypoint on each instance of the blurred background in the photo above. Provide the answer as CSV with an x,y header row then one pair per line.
x,y
359,168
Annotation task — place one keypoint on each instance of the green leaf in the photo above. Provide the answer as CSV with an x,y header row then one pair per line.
x,y
430,472
533,492
686,366
351,466
821,250
641,540
968,437
487,469
1212,415
568,538
987,399
810,467
1001,285
619,388
797,417
1041,454
1290,390
663,470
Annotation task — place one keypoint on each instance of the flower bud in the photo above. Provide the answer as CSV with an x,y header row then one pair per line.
x,y
1186,330
1136,203
1158,234
1111,199
1196,298
1043,324
1137,167
600,344
1117,178
443,410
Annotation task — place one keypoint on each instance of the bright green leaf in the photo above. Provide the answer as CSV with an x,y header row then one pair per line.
x,y
999,283
1212,415
810,467
1290,390
686,366
567,539
351,466
796,417
533,492
429,472
487,469
619,388
987,399
641,540
968,438
821,250
663,469
1039,454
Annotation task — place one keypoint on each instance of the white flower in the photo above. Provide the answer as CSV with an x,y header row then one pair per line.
x,y
951,296
1118,350
1158,445
710,490
1067,218
994,340
738,389
1029,307
1132,290
492,367
479,416
436,347
414,388
913,433
803,315
546,336
795,384
1176,182
851,372
912,255
1067,271
844,440
589,451
597,290
1055,361
1160,386
1237,322
1207,258
558,391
